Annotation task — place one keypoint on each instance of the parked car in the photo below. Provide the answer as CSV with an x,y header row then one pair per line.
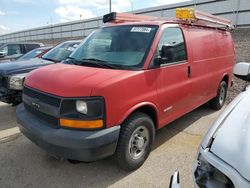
x,y
223,156
123,82
11,51
13,74
36,53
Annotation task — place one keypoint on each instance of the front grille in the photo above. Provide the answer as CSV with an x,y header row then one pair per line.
x,y
46,98
44,112
53,121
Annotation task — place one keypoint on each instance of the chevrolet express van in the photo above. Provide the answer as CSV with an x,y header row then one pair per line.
x,y
126,80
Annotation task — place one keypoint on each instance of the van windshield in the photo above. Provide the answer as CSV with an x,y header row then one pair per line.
x,y
122,47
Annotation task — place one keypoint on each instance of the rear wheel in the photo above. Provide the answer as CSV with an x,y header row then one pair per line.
x,y
135,141
217,102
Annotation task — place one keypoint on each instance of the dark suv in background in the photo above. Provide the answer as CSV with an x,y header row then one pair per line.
x,y
12,74
12,51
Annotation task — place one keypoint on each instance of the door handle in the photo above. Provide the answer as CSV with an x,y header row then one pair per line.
x,y
189,71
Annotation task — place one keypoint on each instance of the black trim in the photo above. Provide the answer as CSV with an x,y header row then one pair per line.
x,y
109,17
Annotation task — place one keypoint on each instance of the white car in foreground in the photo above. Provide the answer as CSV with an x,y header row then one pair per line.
x,y
223,159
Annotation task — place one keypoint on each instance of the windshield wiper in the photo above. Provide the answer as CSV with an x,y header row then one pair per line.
x,y
97,62
71,60
48,59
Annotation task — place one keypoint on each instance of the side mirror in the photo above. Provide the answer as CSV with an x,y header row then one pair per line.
x,y
166,55
242,71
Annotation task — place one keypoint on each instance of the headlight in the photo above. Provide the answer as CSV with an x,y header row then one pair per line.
x,y
206,175
84,113
82,107
16,81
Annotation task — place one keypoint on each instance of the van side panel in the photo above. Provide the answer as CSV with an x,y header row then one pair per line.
x,y
213,57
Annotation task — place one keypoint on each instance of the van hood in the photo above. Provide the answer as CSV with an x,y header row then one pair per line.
x,y
71,80
231,135
25,66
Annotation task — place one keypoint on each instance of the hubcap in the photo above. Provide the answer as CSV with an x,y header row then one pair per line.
x,y
222,95
138,142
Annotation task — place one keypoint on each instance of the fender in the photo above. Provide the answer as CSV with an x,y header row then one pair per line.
x,y
226,74
137,106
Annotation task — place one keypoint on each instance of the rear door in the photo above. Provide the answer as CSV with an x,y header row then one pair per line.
x,y
175,86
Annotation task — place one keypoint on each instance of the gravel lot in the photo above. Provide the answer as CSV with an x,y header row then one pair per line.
x,y
235,90
23,164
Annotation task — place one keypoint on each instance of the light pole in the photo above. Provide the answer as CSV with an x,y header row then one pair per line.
x,y
110,8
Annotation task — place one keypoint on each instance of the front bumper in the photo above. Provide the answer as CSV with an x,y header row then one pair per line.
x,y
220,166
10,96
67,143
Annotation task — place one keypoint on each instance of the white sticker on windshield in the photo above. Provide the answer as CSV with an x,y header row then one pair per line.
x,y
141,29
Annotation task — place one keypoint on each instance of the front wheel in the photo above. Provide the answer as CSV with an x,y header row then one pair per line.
x,y
135,141
217,102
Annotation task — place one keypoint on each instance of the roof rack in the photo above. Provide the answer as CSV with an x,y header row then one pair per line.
x,y
115,17
189,15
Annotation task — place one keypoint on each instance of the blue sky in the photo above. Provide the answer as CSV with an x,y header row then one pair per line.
x,y
18,15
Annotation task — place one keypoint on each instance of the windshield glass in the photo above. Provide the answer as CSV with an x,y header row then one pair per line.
x,y
123,47
32,54
61,52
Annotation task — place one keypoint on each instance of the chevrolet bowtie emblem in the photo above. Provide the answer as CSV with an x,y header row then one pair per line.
x,y
36,105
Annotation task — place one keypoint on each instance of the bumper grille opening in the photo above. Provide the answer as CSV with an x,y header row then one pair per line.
x,y
46,98
53,122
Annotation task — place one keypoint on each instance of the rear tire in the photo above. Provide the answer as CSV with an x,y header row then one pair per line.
x,y
135,141
218,101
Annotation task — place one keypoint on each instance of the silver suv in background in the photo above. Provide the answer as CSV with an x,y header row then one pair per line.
x,y
12,51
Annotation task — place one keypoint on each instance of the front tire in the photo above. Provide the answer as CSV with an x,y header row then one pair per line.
x,y
218,102
135,141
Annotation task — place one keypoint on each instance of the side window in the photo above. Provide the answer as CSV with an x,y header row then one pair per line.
x,y
13,49
173,39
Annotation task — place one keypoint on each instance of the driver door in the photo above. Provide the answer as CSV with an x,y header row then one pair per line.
x,y
174,85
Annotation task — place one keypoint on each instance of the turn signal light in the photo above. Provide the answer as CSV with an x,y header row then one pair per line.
x,y
81,124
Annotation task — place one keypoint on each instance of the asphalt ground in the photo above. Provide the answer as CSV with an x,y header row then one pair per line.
x,y
23,164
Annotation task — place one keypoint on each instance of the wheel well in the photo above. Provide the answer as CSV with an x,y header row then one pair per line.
x,y
150,111
226,79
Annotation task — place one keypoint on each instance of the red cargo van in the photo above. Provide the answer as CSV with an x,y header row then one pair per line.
x,y
123,82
